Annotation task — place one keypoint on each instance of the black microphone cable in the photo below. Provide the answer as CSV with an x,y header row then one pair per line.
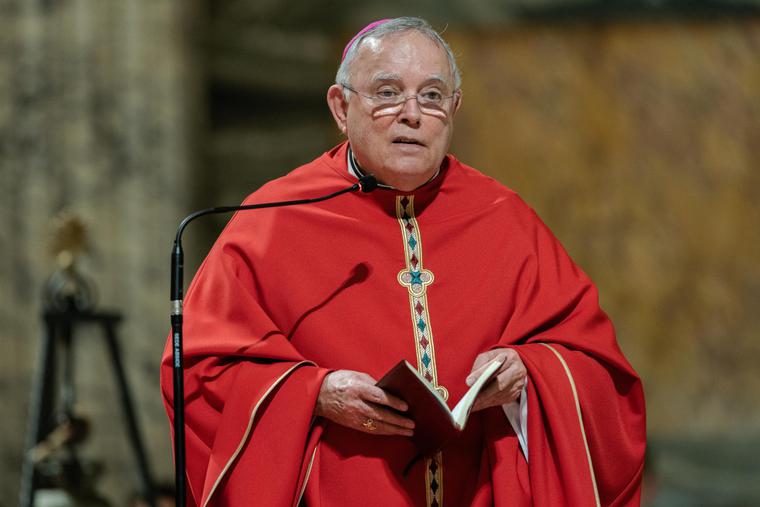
x,y
366,184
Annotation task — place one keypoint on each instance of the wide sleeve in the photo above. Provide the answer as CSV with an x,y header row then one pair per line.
x,y
586,415
249,394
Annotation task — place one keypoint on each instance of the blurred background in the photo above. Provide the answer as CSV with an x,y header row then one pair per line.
x,y
631,126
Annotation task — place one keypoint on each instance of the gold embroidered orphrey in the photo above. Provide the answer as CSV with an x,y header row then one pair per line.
x,y
416,279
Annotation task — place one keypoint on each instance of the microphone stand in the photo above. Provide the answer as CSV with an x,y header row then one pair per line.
x,y
365,184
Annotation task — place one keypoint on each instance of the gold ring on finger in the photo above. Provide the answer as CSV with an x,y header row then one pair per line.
x,y
369,424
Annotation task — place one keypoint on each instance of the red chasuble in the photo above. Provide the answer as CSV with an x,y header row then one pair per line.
x,y
435,276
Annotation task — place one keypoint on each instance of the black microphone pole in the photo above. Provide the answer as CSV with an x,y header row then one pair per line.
x,y
365,184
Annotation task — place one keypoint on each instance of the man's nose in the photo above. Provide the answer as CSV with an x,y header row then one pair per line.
x,y
410,110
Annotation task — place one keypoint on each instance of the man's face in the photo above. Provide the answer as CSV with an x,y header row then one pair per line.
x,y
402,146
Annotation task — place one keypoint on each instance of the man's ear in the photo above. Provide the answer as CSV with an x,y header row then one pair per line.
x,y
457,101
338,105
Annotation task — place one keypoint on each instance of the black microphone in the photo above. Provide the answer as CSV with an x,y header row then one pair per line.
x,y
366,184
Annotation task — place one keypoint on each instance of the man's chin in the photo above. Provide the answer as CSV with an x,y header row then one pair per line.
x,y
407,176
408,162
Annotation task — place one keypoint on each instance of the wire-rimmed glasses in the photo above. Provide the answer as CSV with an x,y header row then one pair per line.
x,y
391,100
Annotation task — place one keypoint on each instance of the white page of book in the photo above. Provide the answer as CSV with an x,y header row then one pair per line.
x,y
462,410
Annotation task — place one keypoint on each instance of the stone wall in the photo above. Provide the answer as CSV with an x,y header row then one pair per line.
x,y
96,116
637,144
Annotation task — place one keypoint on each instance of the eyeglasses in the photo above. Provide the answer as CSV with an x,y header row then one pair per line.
x,y
391,100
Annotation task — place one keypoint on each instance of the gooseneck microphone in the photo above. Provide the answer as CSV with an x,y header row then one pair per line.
x,y
365,184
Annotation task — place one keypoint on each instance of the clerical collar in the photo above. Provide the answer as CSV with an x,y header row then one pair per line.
x,y
355,170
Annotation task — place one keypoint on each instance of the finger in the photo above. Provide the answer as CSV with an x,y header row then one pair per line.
x,y
475,374
383,421
485,358
478,371
376,395
505,388
509,382
384,428
365,377
490,400
379,413
511,357
486,397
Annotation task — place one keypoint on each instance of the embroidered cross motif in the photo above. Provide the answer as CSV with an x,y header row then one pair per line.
x,y
416,279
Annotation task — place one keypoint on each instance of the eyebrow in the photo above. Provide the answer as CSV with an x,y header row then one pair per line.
x,y
436,78
386,76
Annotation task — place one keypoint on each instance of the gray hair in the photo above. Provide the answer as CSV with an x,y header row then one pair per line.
x,y
402,24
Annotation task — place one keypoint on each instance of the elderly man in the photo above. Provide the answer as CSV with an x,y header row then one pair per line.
x,y
297,311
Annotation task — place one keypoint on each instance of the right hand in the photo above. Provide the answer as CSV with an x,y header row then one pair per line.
x,y
350,398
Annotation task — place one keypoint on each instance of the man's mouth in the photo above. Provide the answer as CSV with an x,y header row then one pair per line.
x,y
407,140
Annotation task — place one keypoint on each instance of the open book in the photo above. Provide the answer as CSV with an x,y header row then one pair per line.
x,y
435,424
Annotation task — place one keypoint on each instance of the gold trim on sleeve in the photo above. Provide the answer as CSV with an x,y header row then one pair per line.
x,y
306,477
580,419
250,425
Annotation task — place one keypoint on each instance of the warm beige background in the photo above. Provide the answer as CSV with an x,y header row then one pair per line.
x,y
639,145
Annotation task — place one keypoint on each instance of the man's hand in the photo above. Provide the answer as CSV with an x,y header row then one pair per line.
x,y
351,398
507,383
